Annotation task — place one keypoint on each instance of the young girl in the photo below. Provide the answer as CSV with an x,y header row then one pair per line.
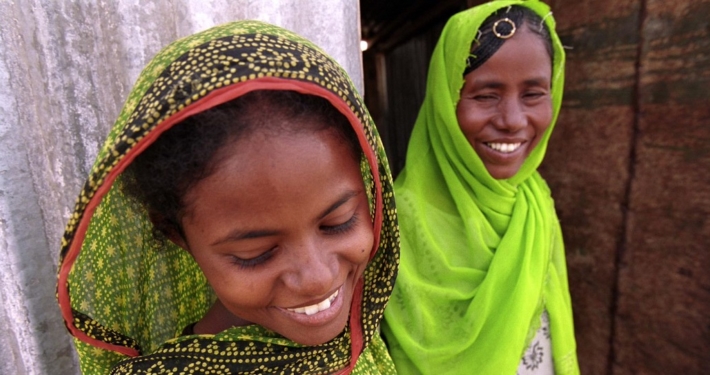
x,y
239,218
482,287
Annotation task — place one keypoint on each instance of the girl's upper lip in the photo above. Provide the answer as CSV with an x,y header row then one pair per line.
x,y
315,301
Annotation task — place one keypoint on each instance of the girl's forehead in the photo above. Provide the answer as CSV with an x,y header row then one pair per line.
x,y
276,181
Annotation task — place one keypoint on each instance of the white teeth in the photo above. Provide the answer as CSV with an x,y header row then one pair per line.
x,y
504,147
312,309
324,305
318,307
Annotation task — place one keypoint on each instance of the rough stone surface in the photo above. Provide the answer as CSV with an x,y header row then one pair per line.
x,y
587,164
66,67
663,321
588,202
629,166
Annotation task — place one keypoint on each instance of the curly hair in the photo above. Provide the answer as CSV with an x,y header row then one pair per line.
x,y
161,176
486,43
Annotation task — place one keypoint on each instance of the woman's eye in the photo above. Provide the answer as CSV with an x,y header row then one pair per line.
x,y
484,97
340,228
534,95
252,262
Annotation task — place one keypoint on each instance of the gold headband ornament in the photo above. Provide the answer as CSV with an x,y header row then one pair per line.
x,y
503,34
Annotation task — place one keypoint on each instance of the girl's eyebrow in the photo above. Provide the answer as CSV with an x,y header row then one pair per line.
x,y
237,235
343,198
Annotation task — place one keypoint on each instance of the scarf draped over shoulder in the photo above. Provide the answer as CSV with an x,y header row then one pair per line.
x,y
481,258
126,297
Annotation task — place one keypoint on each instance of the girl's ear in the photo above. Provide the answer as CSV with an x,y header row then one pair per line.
x,y
170,230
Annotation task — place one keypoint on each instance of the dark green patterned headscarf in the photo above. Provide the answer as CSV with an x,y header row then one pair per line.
x,y
126,297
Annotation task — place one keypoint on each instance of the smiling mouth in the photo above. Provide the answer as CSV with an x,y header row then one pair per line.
x,y
316,308
505,148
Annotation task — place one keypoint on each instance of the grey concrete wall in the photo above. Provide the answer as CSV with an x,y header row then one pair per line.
x,y
65,69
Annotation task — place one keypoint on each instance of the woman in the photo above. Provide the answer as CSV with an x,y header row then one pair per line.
x,y
482,254
239,218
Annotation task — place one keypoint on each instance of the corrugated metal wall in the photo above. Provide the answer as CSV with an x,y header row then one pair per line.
x,y
65,69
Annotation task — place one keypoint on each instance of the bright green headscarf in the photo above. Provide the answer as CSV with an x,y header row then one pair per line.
x,y
481,258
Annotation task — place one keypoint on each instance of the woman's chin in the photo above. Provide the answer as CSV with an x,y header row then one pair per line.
x,y
502,172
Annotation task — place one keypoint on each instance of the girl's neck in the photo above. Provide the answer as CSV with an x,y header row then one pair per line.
x,y
218,319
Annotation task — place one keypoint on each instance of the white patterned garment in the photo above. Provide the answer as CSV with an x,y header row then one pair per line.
x,y
537,359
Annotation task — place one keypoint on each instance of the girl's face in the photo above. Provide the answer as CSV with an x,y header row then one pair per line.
x,y
505,104
282,232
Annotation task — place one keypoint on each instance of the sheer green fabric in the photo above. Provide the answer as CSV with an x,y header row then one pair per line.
x,y
481,258
126,297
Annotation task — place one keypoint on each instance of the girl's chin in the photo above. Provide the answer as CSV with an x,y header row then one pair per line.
x,y
312,336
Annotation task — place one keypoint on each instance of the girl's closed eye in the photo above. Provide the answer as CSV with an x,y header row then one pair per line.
x,y
245,263
341,227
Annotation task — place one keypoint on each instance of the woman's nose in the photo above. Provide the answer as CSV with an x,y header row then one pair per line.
x,y
512,116
313,271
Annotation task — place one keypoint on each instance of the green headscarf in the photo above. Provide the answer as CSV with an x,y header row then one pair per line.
x,y
481,258
126,297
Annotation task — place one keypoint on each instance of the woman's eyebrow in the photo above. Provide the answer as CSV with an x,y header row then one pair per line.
x,y
538,81
495,84
487,84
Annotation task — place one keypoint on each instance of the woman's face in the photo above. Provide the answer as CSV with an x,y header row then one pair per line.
x,y
505,104
282,232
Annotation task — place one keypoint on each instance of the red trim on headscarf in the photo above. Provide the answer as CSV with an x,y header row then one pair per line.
x,y
214,99
356,340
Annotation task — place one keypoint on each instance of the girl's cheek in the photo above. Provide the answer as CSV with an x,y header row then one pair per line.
x,y
365,246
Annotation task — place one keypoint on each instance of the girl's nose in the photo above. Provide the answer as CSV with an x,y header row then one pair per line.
x,y
314,271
